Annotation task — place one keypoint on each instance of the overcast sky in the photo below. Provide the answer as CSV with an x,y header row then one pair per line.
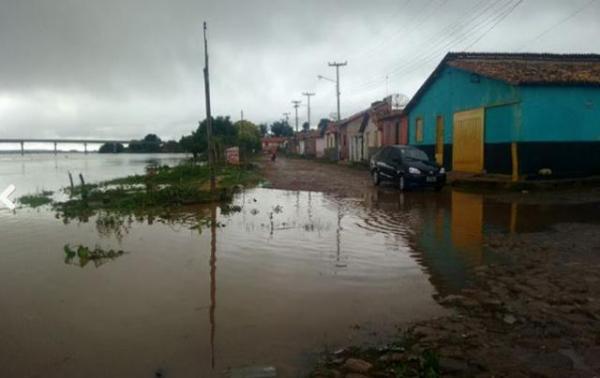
x,y
125,68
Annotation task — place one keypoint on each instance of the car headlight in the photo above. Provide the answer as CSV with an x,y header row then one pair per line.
x,y
442,171
414,171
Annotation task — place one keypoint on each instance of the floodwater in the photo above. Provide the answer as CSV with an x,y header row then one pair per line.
x,y
288,275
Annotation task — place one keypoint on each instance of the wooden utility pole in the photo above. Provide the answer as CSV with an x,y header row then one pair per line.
x,y
337,84
296,105
211,157
308,94
287,117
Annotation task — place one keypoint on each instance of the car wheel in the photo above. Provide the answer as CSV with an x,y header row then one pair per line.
x,y
439,187
401,184
375,177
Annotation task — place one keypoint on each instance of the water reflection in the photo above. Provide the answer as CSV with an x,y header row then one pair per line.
x,y
447,230
213,281
296,270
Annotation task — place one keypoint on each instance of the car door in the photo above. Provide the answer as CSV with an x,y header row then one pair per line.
x,y
384,166
395,162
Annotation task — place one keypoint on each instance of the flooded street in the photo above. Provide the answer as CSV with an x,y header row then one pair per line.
x,y
291,273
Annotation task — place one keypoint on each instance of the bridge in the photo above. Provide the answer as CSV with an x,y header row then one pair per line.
x,y
85,142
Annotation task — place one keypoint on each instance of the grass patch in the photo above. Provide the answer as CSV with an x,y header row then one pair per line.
x,y
160,189
37,200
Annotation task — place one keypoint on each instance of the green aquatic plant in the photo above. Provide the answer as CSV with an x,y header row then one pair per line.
x,y
82,255
37,200
161,188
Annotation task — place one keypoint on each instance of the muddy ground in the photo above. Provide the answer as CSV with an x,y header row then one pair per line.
x,y
536,314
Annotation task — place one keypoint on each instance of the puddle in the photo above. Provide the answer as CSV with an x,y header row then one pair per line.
x,y
275,278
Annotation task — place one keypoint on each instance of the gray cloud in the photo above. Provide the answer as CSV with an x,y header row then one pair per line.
x,y
123,68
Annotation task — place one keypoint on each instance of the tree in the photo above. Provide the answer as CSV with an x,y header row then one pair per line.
x,y
150,144
264,129
108,148
248,138
224,135
322,125
171,146
281,128
305,126
152,138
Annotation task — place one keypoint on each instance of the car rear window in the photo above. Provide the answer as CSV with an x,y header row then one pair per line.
x,y
414,154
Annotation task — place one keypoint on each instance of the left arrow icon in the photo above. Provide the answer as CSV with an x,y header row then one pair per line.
x,y
4,197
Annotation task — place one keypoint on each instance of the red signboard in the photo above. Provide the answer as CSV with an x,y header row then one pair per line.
x,y
233,155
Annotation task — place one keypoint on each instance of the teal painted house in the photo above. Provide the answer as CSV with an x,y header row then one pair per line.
x,y
528,115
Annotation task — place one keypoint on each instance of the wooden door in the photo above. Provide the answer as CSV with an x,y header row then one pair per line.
x,y
439,140
467,141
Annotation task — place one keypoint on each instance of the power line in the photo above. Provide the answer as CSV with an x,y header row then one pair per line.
x,y
579,10
458,35
496,24
447,34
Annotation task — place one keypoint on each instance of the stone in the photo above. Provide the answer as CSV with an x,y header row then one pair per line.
x,y
452,365
254,372
509,319
392,357
356,365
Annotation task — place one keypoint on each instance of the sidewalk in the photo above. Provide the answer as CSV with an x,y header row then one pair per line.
x,y
497,181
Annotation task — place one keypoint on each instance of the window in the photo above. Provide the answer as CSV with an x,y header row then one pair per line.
x,y
414,154
419,130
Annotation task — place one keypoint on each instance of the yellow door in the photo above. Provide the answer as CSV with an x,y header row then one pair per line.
x,y
439,140
467,143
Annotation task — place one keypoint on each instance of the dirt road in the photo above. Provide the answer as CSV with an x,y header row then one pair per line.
x,y
300,174
536,313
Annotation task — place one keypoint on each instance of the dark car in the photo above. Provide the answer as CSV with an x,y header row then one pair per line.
x,y
407,167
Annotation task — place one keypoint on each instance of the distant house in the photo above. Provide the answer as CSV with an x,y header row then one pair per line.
x,y
270,144
331,141
321,143
394,128
343,146
519,114
307,141
373,130
356,127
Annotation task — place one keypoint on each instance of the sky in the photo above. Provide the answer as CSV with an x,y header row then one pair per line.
x,y
124,68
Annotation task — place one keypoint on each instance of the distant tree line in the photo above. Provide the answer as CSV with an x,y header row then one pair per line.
x,y
244,134
150,144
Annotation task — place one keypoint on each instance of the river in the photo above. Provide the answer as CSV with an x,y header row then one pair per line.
x,y
290,274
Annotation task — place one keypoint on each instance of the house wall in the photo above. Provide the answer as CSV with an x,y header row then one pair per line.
x,y
320,145
560,130
395,131
310,146
456,90
355,149
371,140
344,145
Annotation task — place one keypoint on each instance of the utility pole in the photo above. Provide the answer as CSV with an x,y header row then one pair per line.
x,y
211,157
242,115
296,105
308,94
337,84
287,117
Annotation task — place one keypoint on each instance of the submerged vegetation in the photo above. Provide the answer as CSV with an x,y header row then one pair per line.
x,y
82,255
161,190
38,199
